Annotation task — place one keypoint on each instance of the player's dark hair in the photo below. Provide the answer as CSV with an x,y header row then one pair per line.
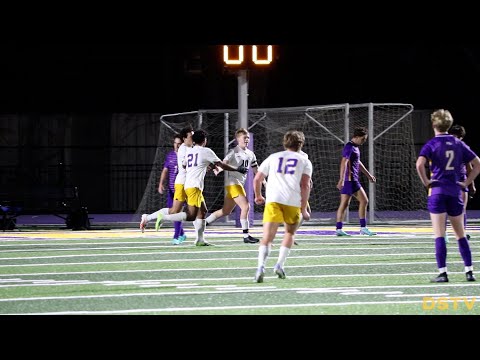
x,y
360,131
458,131
184,132
199,136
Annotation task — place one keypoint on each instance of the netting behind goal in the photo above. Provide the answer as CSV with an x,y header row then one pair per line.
x,y
397,195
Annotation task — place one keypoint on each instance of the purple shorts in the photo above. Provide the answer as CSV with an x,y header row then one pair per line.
x,y
170,193
440,203
351,187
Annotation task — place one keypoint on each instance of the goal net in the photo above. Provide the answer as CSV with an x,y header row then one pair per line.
x,y
389,154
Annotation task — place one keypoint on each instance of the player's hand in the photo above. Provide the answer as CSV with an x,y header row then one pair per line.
x,y
462,184
306,215
373,179
242,169
340,184
472,190
259,200
161,188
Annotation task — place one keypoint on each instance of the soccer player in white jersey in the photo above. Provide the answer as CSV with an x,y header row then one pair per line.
x,y
179,196
235,184
287,194
197,160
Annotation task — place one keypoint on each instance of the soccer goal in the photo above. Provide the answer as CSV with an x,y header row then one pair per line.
x,y
389,154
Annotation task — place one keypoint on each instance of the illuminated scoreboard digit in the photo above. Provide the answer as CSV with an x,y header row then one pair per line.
x,y
248,56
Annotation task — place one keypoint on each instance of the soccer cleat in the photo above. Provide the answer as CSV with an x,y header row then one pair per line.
x,y
158,223
365,231
468,237
470,276
279,271
260,274
175,241
295,243
143,222
182,238
202,243
250,240
340,232
441,278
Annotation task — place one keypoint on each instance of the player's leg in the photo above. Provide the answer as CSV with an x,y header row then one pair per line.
x,y
465,203
342,208
455,207
244,206
291,216
438,212
362,198
272,217
199,225
227,208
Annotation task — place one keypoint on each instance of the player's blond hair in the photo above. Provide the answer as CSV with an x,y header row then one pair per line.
x,y
442,120
293,140
241,131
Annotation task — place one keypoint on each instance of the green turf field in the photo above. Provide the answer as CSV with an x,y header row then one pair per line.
x,y
127,272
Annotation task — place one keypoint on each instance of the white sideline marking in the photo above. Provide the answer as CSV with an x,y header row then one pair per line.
x,y
50,282
236,268
429,254
417,295
253,289
426,246
238,307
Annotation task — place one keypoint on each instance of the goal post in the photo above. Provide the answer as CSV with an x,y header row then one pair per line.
x,y
389,154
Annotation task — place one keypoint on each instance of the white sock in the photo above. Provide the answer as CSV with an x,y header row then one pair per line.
x,y
442,270
211,218
181,216
199,225
245,226
282,255
154,215
468,268
263,253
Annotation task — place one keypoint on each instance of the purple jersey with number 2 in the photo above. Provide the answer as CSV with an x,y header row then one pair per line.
x,y
446,156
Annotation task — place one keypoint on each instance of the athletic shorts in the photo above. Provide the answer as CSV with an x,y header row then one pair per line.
x,y
351,187
441,203
180,193
280,213
233,191
194,197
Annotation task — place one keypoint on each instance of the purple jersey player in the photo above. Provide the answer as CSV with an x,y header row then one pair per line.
x,y
170,169
349,184
446,155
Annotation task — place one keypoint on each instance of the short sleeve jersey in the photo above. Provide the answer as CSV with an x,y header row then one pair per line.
x,y
284,170
236,157
447,156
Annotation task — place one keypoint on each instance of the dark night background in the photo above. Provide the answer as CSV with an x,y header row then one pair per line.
x,y
169,78
94,80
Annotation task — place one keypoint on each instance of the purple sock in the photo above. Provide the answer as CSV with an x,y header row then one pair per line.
x,y
339,225
363,223
441,252
178,229
465,251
